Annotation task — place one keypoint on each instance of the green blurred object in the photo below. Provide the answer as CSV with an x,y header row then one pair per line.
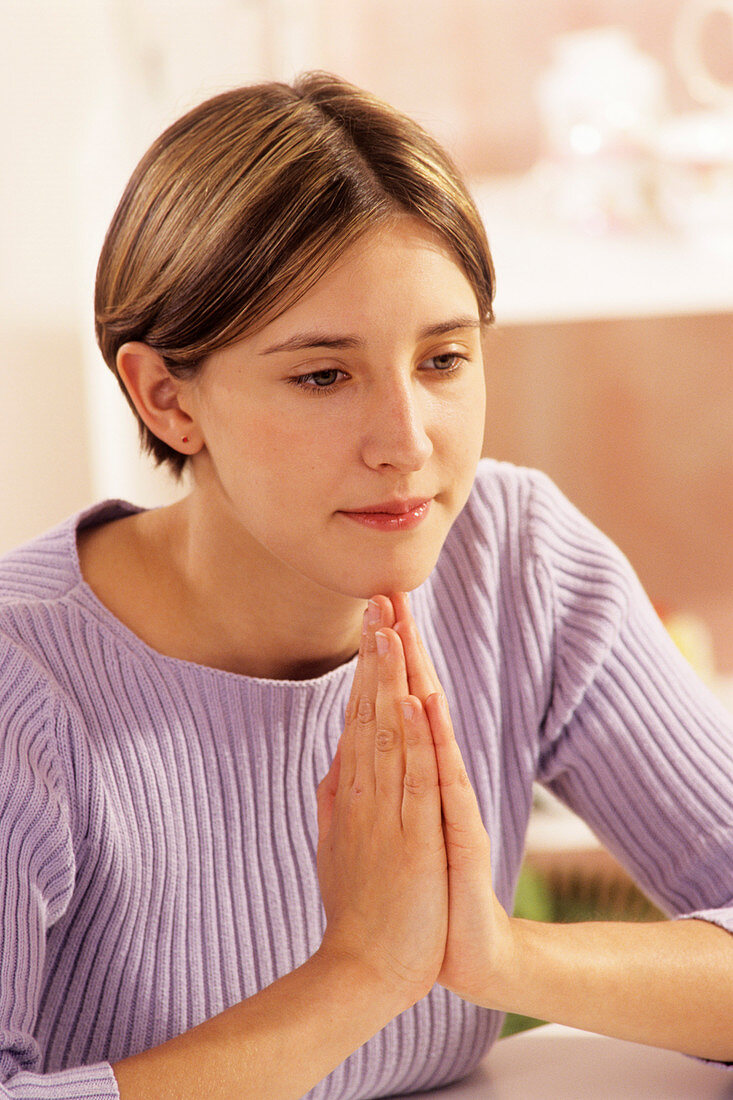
x,y
533,900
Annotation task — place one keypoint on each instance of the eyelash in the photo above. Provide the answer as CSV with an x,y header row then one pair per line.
x,y
300,380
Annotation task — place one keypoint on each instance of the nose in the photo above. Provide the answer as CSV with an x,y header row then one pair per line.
x,y
396,428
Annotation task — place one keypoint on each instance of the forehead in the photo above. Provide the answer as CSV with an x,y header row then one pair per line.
x,y
394,274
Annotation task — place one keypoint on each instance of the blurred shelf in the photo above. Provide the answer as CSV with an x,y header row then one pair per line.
x,y
548,271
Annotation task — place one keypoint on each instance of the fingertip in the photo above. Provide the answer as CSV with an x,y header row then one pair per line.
x,y
383,604
400,605
389,638
436,706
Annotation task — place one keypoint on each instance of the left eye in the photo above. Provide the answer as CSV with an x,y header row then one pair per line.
x,y
446,363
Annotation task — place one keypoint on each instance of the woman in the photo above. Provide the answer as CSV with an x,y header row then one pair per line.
x,y
292,294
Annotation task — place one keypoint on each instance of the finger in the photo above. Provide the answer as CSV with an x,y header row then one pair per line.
x,y
378,612
364,693
463,825
421,674
388,749
364,736
356,682
372,614
347,746
421,804
401,604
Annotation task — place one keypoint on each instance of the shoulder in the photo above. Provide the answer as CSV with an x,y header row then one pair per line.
x,y
527,509
522,539
501,487
512,498
41,594
512,510
490,543
47,567
489,560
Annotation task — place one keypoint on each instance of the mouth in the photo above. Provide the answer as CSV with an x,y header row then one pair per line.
x,y
391,515
390,507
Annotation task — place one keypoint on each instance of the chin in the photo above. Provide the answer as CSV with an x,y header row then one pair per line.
x,y
383,582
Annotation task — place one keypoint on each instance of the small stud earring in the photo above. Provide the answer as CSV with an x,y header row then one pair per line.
x,y
184,439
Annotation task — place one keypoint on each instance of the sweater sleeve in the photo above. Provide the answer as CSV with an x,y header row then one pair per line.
x,y
36,881
632,740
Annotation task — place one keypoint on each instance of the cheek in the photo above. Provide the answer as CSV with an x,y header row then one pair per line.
x,y
461,425
267,452
476,416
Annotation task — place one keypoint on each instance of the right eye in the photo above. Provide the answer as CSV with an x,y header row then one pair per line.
x,y
318,382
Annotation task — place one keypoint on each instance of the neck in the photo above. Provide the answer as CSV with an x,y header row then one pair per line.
x,y
249,613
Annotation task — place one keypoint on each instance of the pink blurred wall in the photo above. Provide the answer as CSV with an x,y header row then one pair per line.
x,y
467,68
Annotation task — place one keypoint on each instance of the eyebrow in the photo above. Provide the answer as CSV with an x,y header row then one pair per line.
x,y
302,340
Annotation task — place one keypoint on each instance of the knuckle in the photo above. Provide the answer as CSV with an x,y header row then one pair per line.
x,y
463,780
365,709
357,795
414,738
459,778
386,739
418,783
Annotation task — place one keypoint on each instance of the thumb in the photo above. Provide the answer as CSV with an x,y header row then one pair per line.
x,y
326,793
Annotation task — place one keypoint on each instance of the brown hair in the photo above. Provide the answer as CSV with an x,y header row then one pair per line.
x,y
239,206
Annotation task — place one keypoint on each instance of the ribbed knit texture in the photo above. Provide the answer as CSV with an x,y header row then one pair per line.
x,y
158,818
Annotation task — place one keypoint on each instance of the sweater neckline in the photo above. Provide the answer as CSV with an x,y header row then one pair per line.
x,y
104,512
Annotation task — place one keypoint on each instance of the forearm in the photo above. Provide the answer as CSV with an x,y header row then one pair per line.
x,y
280,1042
667,984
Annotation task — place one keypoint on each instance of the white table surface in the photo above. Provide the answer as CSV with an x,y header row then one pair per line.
x,y
560,1063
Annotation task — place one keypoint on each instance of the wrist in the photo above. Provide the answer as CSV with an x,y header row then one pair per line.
x,y
364,985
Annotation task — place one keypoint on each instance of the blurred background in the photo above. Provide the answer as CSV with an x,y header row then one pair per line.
x,y
597,136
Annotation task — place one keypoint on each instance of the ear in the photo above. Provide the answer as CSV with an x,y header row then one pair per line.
x,y
156,395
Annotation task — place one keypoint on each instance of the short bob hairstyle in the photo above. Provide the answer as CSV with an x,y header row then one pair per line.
x,y
239,206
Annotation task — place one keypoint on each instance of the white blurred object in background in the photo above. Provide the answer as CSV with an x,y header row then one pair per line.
x,y
695,150
600,102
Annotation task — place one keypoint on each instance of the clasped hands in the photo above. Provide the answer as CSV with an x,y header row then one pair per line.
x,y
403,855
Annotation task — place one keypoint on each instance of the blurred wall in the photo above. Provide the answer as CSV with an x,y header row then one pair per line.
x,y
42,404
633,420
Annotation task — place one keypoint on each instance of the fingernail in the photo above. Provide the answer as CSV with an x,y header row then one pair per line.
x,y
408,709
382,643
373,613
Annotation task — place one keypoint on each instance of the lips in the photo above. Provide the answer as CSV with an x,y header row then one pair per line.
x,y
391,515
390,507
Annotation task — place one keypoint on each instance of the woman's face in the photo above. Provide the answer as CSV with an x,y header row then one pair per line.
x,y
367,394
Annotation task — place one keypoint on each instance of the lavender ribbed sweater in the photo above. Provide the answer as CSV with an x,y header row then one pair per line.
x,y
158,818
